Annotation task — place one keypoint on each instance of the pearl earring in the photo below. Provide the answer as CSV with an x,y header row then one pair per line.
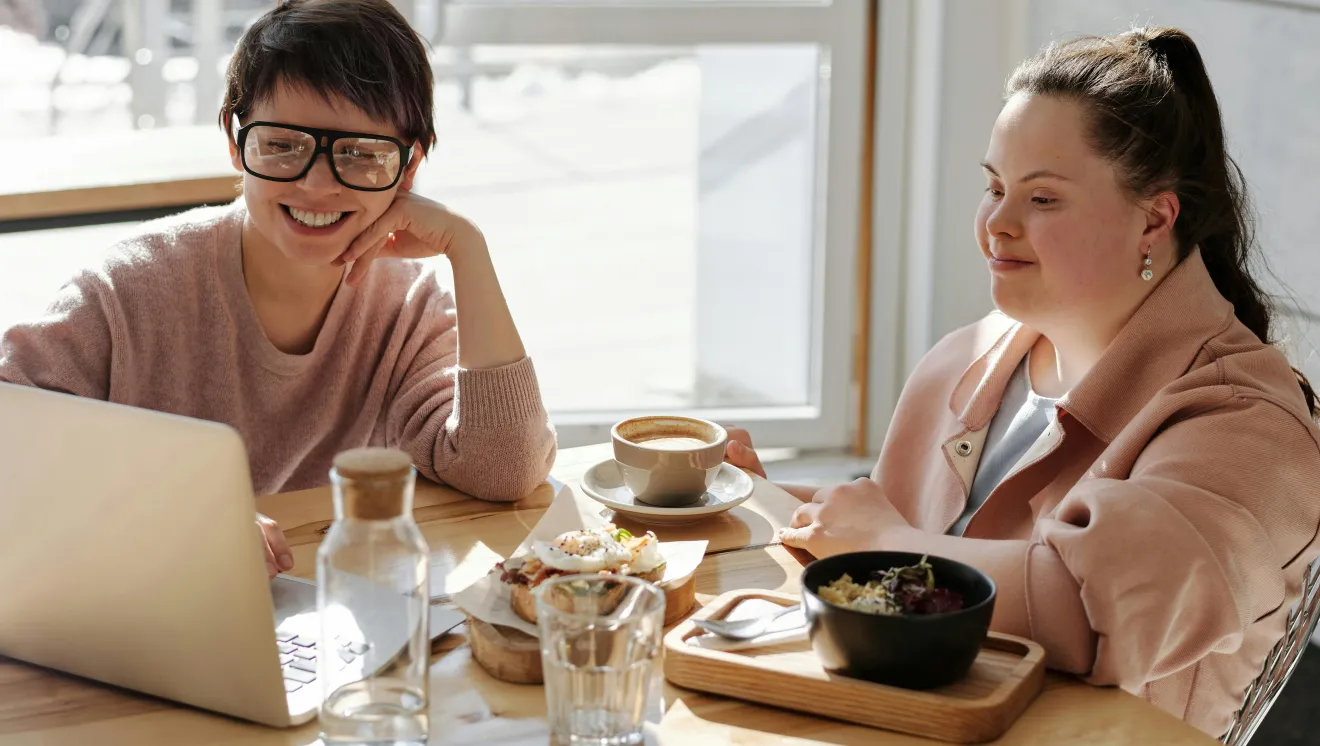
x,y
1146,274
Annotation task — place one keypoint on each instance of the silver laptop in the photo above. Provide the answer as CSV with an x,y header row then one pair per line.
x,y
129,555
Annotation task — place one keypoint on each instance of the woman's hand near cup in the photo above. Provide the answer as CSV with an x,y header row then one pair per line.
x,y
740,452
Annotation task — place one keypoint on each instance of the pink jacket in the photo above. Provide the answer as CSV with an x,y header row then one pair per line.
x,y
1169,513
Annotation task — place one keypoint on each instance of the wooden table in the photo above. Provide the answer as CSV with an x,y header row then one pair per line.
x,y
38,706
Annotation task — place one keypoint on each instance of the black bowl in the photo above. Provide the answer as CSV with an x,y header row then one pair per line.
x,y
915,652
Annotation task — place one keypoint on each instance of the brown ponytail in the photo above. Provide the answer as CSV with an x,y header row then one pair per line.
x,y
1155,116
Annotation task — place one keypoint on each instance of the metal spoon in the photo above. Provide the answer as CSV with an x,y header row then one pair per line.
x,y
744,629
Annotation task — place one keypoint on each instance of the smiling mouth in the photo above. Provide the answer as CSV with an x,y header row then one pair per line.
x,y
314,219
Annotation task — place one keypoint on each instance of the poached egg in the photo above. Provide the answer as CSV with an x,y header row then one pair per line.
x,y
590,550
595,550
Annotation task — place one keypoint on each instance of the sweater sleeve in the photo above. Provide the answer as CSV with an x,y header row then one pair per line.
x,y
483,432
1216,519
70,348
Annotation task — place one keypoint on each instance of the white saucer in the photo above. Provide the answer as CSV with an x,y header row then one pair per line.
x,y
604,484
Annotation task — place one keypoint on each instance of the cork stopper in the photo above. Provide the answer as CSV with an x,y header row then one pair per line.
x,y
374,482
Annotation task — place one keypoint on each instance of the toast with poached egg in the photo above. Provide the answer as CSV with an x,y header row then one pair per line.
x,y
604,551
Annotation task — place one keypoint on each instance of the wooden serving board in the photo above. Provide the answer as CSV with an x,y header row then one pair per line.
x,y
1003,681
514,656
506,653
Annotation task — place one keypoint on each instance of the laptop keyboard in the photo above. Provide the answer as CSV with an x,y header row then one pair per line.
x,y
298,658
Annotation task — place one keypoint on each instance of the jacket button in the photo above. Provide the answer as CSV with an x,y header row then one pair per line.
x,y
963,448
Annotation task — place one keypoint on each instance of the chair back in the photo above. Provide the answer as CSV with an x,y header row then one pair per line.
x,y
1280,663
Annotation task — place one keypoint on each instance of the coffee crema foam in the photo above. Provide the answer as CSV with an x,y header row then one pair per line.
x,y
671,443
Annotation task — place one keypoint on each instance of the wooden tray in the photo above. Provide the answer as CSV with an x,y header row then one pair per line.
x,y
1003,681
514,656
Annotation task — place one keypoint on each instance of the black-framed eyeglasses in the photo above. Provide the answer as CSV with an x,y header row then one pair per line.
x,y
286,152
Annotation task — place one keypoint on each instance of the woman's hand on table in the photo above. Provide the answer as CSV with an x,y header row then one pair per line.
x,y
852,517
278,557
740,452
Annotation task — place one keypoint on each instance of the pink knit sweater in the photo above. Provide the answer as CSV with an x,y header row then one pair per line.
x,y
166,323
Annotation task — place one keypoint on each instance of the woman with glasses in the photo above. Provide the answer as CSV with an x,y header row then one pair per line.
x,y
296,314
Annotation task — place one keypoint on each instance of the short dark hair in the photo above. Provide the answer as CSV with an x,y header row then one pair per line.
x,y
363,51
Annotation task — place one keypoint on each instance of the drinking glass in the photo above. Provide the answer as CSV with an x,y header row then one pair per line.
x,y
600,644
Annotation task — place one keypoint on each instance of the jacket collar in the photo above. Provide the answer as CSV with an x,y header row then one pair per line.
x,y
1156,346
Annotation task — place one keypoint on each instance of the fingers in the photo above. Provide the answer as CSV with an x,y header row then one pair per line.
x,y
805,515
376,233
739,435
360,266
859,486
740,455
279,558
271,569
803,556
365,241
798,538
802,527
740,452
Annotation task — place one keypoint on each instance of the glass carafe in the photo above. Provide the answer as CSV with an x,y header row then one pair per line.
x,y
373,599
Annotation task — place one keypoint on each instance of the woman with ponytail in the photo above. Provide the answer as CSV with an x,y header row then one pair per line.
x,y
1119,446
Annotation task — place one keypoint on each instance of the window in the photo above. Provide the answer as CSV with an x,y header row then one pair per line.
x,y
671,190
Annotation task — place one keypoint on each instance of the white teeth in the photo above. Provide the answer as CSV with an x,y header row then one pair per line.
x,y
315,219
